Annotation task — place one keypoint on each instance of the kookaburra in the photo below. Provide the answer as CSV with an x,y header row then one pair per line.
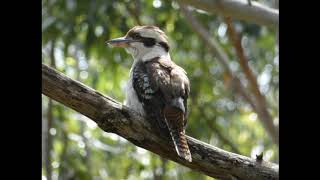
x,y
157,87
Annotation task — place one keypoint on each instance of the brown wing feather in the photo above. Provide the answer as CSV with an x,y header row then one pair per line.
x,y
173,83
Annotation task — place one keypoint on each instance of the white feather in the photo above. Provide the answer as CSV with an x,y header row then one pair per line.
x,y
132,100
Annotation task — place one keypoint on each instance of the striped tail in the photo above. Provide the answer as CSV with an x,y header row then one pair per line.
x,y
175,121
181,145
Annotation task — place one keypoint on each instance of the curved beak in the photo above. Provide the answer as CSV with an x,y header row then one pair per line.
x,y
120,42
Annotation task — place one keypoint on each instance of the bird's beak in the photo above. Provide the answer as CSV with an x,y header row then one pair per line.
x,y
120,42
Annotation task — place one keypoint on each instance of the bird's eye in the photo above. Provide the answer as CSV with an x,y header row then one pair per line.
x,y
136,36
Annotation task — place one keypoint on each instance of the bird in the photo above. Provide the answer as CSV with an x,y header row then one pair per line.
x,y
157,87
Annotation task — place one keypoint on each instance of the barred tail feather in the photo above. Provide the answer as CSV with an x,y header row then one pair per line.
x,y
175,121
181,145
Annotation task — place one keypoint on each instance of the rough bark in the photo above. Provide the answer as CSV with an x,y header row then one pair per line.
x,y
111,116
239,9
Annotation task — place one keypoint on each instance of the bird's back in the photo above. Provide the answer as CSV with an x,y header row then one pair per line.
x,y
163,88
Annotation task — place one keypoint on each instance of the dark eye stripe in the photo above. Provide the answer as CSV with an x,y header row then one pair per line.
x,y
137,36
134,35
148,42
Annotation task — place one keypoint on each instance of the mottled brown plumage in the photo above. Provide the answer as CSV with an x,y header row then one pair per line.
x,y
158,88
168,102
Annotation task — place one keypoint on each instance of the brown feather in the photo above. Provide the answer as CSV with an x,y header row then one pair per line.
x,y
175,121
171,81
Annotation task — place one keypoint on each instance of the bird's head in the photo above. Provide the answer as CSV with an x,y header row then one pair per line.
x,y
143,42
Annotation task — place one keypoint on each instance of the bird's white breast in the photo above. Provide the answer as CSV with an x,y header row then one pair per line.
x,y
132,100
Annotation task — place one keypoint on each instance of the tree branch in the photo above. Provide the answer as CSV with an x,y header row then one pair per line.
x,y
112,116
239,9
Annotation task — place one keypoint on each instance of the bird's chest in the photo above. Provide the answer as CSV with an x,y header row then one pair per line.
x,y
139,90
132,100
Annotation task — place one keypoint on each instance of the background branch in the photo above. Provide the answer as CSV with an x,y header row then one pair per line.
x,y
87,157
256,12
135,11
111,116
260,99
222,58
48,123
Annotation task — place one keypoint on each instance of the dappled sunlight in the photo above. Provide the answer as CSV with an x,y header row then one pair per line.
x,y
55,164
253,117
53,131
83,75
156,3
222,30
105,147
264,78
114,137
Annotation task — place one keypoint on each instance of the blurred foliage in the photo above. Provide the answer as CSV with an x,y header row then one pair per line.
x,y
73,36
